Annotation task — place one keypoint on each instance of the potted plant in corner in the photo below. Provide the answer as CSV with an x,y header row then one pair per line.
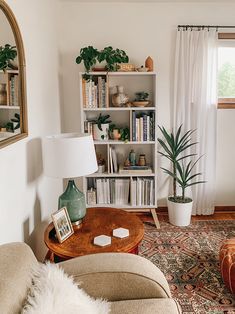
x,y
101,127
175,149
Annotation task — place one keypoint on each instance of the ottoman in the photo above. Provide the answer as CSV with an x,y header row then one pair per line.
x,y
227,263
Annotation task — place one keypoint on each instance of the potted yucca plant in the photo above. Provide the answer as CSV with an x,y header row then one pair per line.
x,y
175,149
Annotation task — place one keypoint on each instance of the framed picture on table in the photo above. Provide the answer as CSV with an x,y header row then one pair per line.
x,y
62,223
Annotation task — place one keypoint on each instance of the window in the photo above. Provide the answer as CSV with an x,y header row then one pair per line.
x,y
226,71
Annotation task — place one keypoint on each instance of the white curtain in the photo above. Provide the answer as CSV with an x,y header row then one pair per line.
x,y
195,102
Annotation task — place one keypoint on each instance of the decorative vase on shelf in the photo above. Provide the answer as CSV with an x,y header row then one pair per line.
x,y
149,64
3,94
119,99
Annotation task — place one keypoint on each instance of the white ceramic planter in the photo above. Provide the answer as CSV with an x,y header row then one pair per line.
x,y
179,213
99,135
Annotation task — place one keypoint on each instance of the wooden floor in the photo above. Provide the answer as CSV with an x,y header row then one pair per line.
x,y
217,216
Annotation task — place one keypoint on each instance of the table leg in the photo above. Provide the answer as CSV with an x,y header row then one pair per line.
x,y
155,218
49,257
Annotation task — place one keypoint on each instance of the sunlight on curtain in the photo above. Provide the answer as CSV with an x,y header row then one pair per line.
x,y
195,105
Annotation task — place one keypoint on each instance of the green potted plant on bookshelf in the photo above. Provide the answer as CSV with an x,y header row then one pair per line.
x,y
101,127
112,57
89,57
7,54
175,150
141,99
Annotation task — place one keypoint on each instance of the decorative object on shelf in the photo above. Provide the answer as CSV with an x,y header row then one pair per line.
x,y
132,157
127,162
141,99
89,57
3,94
101,127
70,155
62,223
116,134
102,240
149,64
119,99
91,196
112,57
16,122
123,131
7,54
142,160
121,233
101,163
126,67
175,147
142,69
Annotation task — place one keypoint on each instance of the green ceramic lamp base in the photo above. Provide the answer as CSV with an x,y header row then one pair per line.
x,y
74,201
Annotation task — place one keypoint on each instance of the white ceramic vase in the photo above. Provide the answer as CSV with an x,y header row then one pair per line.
x,y
101,135
179,213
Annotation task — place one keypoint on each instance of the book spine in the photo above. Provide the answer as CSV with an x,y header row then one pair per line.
x,y
141,129
148,128
134,126
145,131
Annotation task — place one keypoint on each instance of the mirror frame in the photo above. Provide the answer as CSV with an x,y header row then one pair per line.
x,y
22,76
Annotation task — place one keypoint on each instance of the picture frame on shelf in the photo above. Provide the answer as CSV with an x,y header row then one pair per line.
x,y
62,223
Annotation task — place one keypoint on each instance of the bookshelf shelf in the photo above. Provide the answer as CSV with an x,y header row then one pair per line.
x,y
121,109
9,107
119,175
129,191
112,142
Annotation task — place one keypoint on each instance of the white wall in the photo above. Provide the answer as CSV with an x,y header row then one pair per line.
x,y
27,197
143,29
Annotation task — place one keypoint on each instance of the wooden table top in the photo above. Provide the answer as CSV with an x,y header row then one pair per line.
x,y
97,221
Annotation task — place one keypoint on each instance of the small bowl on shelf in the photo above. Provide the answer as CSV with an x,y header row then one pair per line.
x,y
142,103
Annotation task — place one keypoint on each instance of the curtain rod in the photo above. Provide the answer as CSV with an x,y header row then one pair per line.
x,y
205,26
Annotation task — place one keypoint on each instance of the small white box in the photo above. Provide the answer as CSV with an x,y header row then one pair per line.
x,y
102,240
121,233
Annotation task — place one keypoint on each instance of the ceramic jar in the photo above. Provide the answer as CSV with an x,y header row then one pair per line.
x,y
3,94
142,160
149,64
119,99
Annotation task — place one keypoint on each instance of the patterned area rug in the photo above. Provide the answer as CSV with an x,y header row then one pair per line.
x,y
188,256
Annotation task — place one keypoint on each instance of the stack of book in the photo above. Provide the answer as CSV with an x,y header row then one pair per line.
x,y
14,94
112,191
143,126
95,93
135,170
142,192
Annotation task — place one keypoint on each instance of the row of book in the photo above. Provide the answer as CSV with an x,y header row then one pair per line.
x,y
112,191
143,126
142,191
14,91
95,93
125,191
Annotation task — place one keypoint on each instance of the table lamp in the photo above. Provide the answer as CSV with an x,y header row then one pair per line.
x,y
70,155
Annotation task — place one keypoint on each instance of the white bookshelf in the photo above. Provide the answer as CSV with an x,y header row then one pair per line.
x,y
132,82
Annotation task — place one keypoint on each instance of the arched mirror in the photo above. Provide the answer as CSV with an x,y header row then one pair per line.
x,y
13,115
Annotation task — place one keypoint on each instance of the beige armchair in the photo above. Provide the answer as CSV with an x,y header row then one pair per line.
x,y
131,283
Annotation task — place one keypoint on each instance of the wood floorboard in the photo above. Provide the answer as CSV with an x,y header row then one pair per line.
x,y
164,216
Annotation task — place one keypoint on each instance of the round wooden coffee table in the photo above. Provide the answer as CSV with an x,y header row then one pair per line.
x,y
97,221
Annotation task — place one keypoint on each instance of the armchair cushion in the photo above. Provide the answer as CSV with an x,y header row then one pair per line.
x,y
118,276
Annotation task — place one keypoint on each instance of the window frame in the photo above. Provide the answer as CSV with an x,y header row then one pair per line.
x,y
226,103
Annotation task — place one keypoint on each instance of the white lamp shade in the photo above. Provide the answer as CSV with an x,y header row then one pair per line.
x,y
69,155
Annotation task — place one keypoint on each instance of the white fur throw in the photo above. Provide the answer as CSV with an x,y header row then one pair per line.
x,y
54,292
